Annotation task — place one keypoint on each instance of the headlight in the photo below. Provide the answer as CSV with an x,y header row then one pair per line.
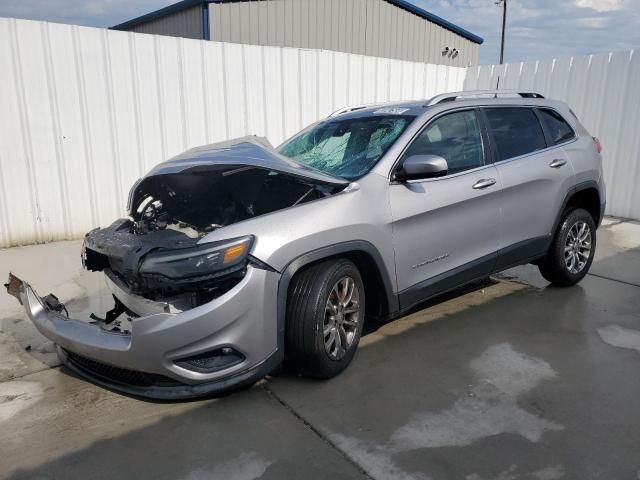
x,y
202,260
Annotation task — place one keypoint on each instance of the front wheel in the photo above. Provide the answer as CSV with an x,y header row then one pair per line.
x,y
325,315
572,249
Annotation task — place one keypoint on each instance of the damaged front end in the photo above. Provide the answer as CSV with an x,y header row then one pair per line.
x,y
160,251
201,315
165,265
167,354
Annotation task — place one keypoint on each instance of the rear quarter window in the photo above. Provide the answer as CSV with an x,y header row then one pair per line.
x,y
557,127
516,131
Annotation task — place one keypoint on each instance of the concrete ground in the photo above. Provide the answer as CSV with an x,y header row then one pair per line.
x,y
511,380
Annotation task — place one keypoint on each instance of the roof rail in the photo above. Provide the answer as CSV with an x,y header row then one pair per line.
x,y
453,96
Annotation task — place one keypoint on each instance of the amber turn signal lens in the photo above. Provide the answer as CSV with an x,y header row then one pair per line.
x,y
233,253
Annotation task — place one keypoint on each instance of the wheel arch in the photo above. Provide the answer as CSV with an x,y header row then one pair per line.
x,y
588,197
584,195
368,260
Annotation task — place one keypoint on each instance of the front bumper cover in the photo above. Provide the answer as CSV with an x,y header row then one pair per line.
x,y
142,362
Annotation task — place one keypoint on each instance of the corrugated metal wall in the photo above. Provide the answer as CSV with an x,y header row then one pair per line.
x,y
603,91
367,27
86,111
187,23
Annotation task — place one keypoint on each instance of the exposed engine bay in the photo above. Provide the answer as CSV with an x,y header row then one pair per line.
x,y
155,253
203,199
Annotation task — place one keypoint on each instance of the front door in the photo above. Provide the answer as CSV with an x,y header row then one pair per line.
x,y
445,229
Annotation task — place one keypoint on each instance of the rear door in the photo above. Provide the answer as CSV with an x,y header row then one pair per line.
x,y
445,229
535,175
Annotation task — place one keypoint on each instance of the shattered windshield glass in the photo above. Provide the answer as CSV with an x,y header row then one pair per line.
x,y
346,148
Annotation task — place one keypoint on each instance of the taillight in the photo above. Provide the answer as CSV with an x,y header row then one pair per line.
x,y
598,145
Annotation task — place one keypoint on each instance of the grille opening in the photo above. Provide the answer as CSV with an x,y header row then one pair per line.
x,y
119,375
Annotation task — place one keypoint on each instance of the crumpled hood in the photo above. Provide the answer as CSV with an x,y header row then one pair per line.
x,y
249,151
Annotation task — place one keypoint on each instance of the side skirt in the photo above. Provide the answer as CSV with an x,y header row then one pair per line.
x,y
518,254
446,281
522,253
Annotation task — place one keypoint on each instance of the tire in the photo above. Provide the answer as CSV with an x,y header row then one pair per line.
x,y
554,267
314,307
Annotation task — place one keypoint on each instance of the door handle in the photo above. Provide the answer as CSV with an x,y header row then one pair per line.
x,y
557,163
484,183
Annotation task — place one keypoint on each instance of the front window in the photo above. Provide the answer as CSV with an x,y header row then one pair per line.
x,y
347,148
455,137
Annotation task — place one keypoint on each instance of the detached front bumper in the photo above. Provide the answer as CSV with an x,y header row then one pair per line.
x,y
153,359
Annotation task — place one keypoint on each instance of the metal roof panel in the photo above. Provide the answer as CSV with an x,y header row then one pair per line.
x,y
184,4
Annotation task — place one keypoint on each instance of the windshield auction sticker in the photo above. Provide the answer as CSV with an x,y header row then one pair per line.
x,y
391,111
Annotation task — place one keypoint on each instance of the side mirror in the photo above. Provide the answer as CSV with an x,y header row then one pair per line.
x,y
422,166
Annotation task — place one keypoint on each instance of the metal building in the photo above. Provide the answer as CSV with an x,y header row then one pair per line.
x,y
382,28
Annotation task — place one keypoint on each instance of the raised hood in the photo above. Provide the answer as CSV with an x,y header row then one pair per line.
x,y
249,151
225,182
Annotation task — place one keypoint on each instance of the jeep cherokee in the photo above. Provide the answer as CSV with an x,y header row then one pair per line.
x,y
236,256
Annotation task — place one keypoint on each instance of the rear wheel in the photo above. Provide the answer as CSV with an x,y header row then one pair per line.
x,y
572,249
325,314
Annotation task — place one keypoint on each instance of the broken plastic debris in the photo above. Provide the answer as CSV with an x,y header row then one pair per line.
x,y
52,303
14,286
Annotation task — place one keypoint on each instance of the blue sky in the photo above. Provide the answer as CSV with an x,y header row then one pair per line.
x,y
536,29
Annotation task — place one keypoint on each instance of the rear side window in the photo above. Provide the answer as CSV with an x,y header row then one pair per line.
x,y
557,127
455,137
516,131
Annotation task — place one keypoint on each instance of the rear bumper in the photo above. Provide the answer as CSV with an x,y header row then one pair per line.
x,y
143,361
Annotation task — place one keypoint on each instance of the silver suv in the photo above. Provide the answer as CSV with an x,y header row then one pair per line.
x,y
236,256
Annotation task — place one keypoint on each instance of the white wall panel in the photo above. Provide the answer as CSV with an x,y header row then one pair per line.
x,y
86,111
603,91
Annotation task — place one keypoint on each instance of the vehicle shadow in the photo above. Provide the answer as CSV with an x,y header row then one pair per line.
x,y
373,325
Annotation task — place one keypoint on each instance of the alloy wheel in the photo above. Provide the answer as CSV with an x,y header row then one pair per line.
x,y
577,248
342,316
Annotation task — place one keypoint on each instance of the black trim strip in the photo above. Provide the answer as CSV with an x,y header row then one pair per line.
x,y
522,252
447,281
572,191
511,256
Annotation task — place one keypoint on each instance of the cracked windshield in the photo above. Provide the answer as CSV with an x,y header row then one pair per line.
x,y
346,148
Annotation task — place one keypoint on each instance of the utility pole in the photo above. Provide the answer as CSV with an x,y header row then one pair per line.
x,y
504,26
